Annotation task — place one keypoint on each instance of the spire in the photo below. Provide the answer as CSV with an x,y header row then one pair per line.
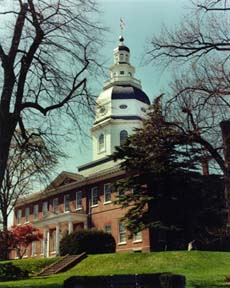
x,y
122,72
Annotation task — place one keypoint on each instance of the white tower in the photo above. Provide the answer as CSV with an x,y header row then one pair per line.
x,y
120,106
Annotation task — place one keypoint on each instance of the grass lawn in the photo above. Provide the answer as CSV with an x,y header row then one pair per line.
x,y
202,269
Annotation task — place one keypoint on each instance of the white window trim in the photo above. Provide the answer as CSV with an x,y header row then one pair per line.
x,y
78,208
94,205
100,148
47,208
57,205
27,209
109,201
119,236
137,240
19,222
66,211
36,205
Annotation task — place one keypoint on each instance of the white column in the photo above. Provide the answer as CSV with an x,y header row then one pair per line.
x,y
70,227
48,244
45,241
57,238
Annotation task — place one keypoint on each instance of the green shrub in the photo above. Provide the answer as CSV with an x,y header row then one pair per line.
x,y
89,241
10,272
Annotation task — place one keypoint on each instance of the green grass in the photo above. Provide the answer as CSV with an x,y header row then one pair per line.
x,y
202,269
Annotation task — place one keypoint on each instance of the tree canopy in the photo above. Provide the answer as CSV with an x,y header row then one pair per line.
x,y
164,190
197,51
48,50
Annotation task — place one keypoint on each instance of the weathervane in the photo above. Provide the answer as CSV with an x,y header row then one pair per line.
x,y
122,25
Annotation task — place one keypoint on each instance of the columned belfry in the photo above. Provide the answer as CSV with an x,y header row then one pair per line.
x,y
120,106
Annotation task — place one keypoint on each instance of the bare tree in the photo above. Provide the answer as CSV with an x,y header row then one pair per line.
x,y
49,50
27,166
201,94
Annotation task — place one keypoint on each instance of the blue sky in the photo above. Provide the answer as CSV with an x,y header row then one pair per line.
x,y
143,18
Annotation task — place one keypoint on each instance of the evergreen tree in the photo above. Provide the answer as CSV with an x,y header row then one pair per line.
x,y
161,178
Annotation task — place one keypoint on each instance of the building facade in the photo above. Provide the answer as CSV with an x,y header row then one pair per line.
x,y
85,199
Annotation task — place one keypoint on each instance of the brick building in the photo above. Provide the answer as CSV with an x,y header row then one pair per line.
x,y
85,199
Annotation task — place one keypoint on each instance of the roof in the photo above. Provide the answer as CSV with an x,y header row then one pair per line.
x,y
129,92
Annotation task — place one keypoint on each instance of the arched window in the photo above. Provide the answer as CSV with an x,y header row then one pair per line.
x,y
123,136
101,142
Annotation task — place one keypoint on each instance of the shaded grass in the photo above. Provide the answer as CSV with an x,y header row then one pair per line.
x,y
202,269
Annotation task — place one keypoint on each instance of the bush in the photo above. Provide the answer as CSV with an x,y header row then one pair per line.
x,y
221,244
89,241
10,272
156,280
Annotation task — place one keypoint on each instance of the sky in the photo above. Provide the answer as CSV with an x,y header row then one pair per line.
x,y
143,19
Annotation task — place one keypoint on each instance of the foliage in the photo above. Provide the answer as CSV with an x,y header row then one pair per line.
x,y
5,244
26,165
153,280
89,241
10,272
47,56
200,95
156,161
22,237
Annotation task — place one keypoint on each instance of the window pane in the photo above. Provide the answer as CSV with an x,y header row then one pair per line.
x,y
79,200
122,233
66,203
137,236
35,211
108,228
107,192
44,208
101,142
55,205
27,214
123,136
94,196
19,216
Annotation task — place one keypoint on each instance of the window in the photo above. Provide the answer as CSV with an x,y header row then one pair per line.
x,y
55,205
107,193
123,136
34,248
137,237
121,56
79,200
122,233
36,212
66,203
94,196
19,216
101,143
123,106
108,228
27,214
122,72
44,208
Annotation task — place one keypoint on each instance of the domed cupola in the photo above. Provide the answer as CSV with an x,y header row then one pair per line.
x,y
120,106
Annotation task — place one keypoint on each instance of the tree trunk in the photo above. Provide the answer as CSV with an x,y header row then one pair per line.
x,y
7,128
225,128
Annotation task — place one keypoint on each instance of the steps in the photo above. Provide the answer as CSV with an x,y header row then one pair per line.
x,y
63,264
